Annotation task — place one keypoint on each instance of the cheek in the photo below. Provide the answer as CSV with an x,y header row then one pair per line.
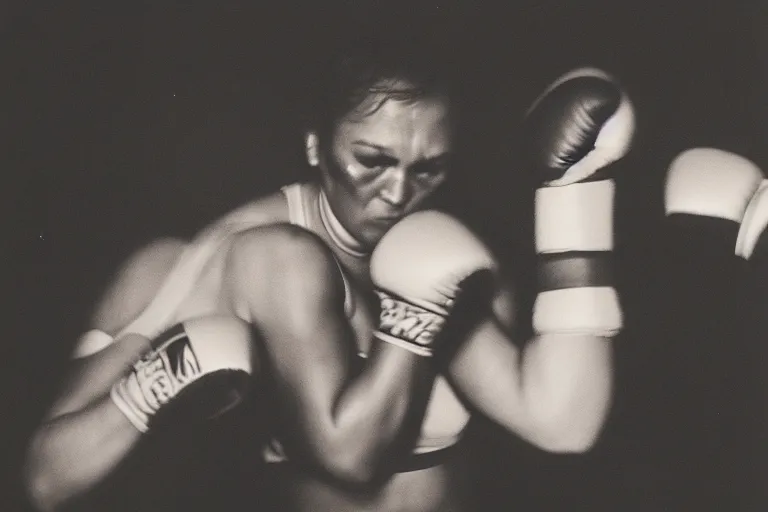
x,y
350,187
425,189
358,174
342,167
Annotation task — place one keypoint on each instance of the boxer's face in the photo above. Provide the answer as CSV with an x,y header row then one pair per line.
x,y
383,164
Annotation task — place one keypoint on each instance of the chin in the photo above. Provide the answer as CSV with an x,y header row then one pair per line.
x,y
372,236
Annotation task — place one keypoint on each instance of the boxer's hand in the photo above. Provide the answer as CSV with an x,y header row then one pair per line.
x,y
582,123
418,269
196,370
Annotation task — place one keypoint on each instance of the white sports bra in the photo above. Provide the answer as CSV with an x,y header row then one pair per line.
x,y
299,199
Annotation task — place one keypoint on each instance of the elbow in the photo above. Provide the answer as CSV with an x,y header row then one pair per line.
x,y
39,495
350,467
352,476
44,487
568,431
561,441
351,471
571,422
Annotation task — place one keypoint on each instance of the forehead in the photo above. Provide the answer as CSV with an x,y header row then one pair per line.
x,y
390,122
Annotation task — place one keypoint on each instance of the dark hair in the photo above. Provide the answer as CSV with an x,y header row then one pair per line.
x,y
403,68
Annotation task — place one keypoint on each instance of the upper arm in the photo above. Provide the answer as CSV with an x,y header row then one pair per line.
x,y
289,283
555,395
485,368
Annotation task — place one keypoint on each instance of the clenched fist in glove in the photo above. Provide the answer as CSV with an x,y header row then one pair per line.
x,y
196,370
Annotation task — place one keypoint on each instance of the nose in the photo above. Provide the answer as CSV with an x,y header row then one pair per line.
x,y
395,190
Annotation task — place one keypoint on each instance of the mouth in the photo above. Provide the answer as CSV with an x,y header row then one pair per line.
x,y
388,220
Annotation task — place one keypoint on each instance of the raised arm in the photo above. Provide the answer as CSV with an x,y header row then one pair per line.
x,y
339,414
349,418
556,393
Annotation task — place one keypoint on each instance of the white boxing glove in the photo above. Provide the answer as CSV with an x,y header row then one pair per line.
x,y
724,190
417,270
709,182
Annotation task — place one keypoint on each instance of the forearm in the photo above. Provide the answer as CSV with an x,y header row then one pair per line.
x,y
565,388
74,452
381,405
84,435
91,377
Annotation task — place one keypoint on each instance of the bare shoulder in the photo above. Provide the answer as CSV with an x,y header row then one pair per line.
x,y
279,248
135,283
280,264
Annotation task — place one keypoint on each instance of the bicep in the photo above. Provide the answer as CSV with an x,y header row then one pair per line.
x,y
294,294
309,340
530,394
485,370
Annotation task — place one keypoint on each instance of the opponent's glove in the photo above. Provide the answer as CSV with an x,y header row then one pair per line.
x,y
709,190
717,204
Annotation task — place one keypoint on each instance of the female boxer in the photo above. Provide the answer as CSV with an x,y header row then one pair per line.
x,y
362,421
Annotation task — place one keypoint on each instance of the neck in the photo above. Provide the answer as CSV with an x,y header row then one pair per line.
x,y
340,236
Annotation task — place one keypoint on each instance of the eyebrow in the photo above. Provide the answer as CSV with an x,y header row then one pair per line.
x,y
387,151
370,145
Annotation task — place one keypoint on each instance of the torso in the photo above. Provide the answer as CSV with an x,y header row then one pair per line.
x,y
445,418
442,488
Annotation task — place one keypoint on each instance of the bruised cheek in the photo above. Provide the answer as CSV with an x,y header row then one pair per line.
x,y
357,180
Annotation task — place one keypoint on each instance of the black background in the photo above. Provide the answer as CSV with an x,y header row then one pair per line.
x,y
127,122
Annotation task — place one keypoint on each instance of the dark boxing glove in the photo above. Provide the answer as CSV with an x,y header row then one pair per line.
x,y
582,123
196,370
